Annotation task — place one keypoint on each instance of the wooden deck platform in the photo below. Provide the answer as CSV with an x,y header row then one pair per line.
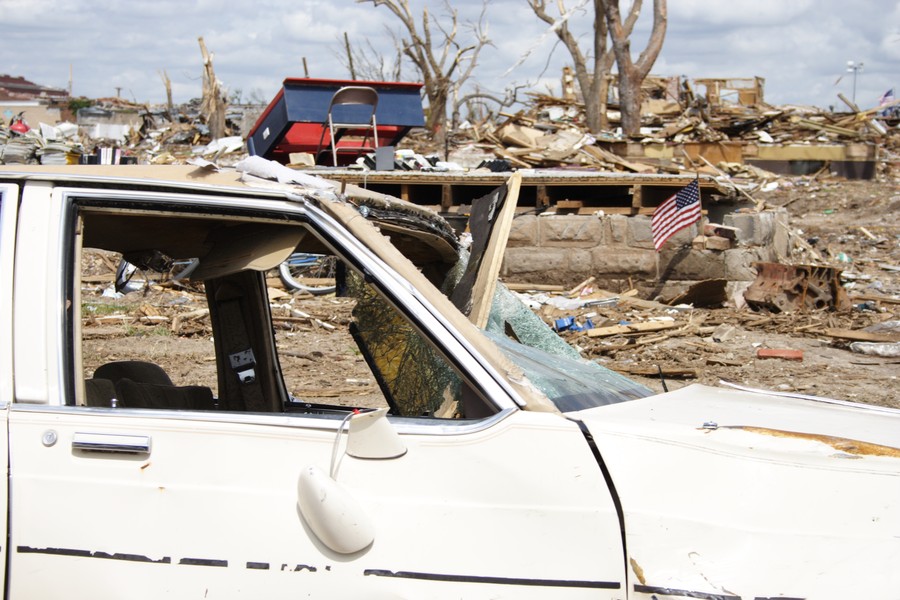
x,y
570,192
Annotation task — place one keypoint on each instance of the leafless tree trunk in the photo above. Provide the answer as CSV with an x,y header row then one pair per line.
x,y
170,108
212,105
369,64
435,50
349,56
592,79
632,74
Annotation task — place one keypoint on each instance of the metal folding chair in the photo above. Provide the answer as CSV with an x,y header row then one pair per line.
x,y
351,113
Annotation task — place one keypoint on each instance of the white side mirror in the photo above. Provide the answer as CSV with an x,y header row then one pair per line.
x,y
332,513
372,436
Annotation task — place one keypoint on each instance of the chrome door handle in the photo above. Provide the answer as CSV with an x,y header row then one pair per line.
x,y
111,442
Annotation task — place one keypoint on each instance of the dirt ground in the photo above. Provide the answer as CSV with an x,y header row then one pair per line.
x,y
838,219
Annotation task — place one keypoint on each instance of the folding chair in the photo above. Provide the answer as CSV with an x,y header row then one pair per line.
x,y
351,113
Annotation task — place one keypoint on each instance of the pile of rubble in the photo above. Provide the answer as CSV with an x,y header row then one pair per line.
x,y
115,131
548,133
551,132
796,351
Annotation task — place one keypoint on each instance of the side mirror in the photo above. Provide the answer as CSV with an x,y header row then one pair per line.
x,y
372,436
327,507
332,513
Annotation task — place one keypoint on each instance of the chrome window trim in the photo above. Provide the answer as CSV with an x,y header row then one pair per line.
x,y
299,421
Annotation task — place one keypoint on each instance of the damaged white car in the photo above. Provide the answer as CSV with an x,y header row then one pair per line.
x,y
476,467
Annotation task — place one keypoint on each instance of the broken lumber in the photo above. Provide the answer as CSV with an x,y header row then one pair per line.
x,y
666,372
876,298
601,154
577,289
535,287
861,336
645,327
782,353
486,281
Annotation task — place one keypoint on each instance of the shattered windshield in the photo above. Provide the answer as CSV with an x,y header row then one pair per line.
x,y
570,384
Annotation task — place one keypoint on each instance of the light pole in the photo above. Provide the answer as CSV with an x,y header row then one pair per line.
x,y
855,67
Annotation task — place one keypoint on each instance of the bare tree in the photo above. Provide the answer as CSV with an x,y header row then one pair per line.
x,y
437,53
170,108
371,65
632,74
212,106
593,80
480,97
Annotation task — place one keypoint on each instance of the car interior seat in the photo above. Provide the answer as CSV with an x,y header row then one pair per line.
x,y
139,384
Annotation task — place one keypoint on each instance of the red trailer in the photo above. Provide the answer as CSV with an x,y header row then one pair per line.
x,y
297,120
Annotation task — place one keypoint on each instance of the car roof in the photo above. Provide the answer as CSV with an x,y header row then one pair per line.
x,y
141,175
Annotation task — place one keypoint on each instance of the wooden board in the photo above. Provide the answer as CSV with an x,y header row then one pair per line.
x,y
862,336
486,282
645,327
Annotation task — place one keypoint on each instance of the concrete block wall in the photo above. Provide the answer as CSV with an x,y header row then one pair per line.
x,y
569,248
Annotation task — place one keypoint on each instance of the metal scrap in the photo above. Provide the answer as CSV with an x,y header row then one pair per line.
x,y
785,288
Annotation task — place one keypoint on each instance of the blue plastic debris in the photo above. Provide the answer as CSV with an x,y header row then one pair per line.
x,y
569,324
564,323
587,325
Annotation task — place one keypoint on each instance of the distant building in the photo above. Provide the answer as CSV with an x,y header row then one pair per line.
x,y
19,88
38,103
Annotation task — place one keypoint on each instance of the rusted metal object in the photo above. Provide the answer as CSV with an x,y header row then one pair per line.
x,y
785,288
850,446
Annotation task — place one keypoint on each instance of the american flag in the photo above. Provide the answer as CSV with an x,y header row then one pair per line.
x,y
886,98
676,213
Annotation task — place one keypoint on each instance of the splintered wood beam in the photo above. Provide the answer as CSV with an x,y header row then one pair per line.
x,y
542,198
644,327
535,287
861,336
446,197
486,282
566,204
670,372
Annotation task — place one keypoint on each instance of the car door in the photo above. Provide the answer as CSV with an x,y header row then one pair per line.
x,y
116,502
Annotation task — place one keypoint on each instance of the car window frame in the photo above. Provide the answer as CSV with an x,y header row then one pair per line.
x,y
402,296
9,203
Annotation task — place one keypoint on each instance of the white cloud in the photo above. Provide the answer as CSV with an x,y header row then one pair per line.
x,y
744,12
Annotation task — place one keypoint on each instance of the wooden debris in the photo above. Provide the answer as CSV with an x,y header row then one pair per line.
x,y
782,353
180,319
667,372
535,287
482,293
724,362
639,328
577,289
861,336
876,298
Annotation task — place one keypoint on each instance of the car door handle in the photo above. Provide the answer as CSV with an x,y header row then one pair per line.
x,y
111,442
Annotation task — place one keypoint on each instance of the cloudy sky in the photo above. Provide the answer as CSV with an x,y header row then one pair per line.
x,y
800,47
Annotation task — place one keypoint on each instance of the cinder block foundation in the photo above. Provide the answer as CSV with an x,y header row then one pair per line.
x,y
566,249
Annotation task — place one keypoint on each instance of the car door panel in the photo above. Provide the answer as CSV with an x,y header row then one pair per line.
x,y
212,510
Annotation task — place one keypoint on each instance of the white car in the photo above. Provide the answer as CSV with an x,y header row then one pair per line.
x,y
490,470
